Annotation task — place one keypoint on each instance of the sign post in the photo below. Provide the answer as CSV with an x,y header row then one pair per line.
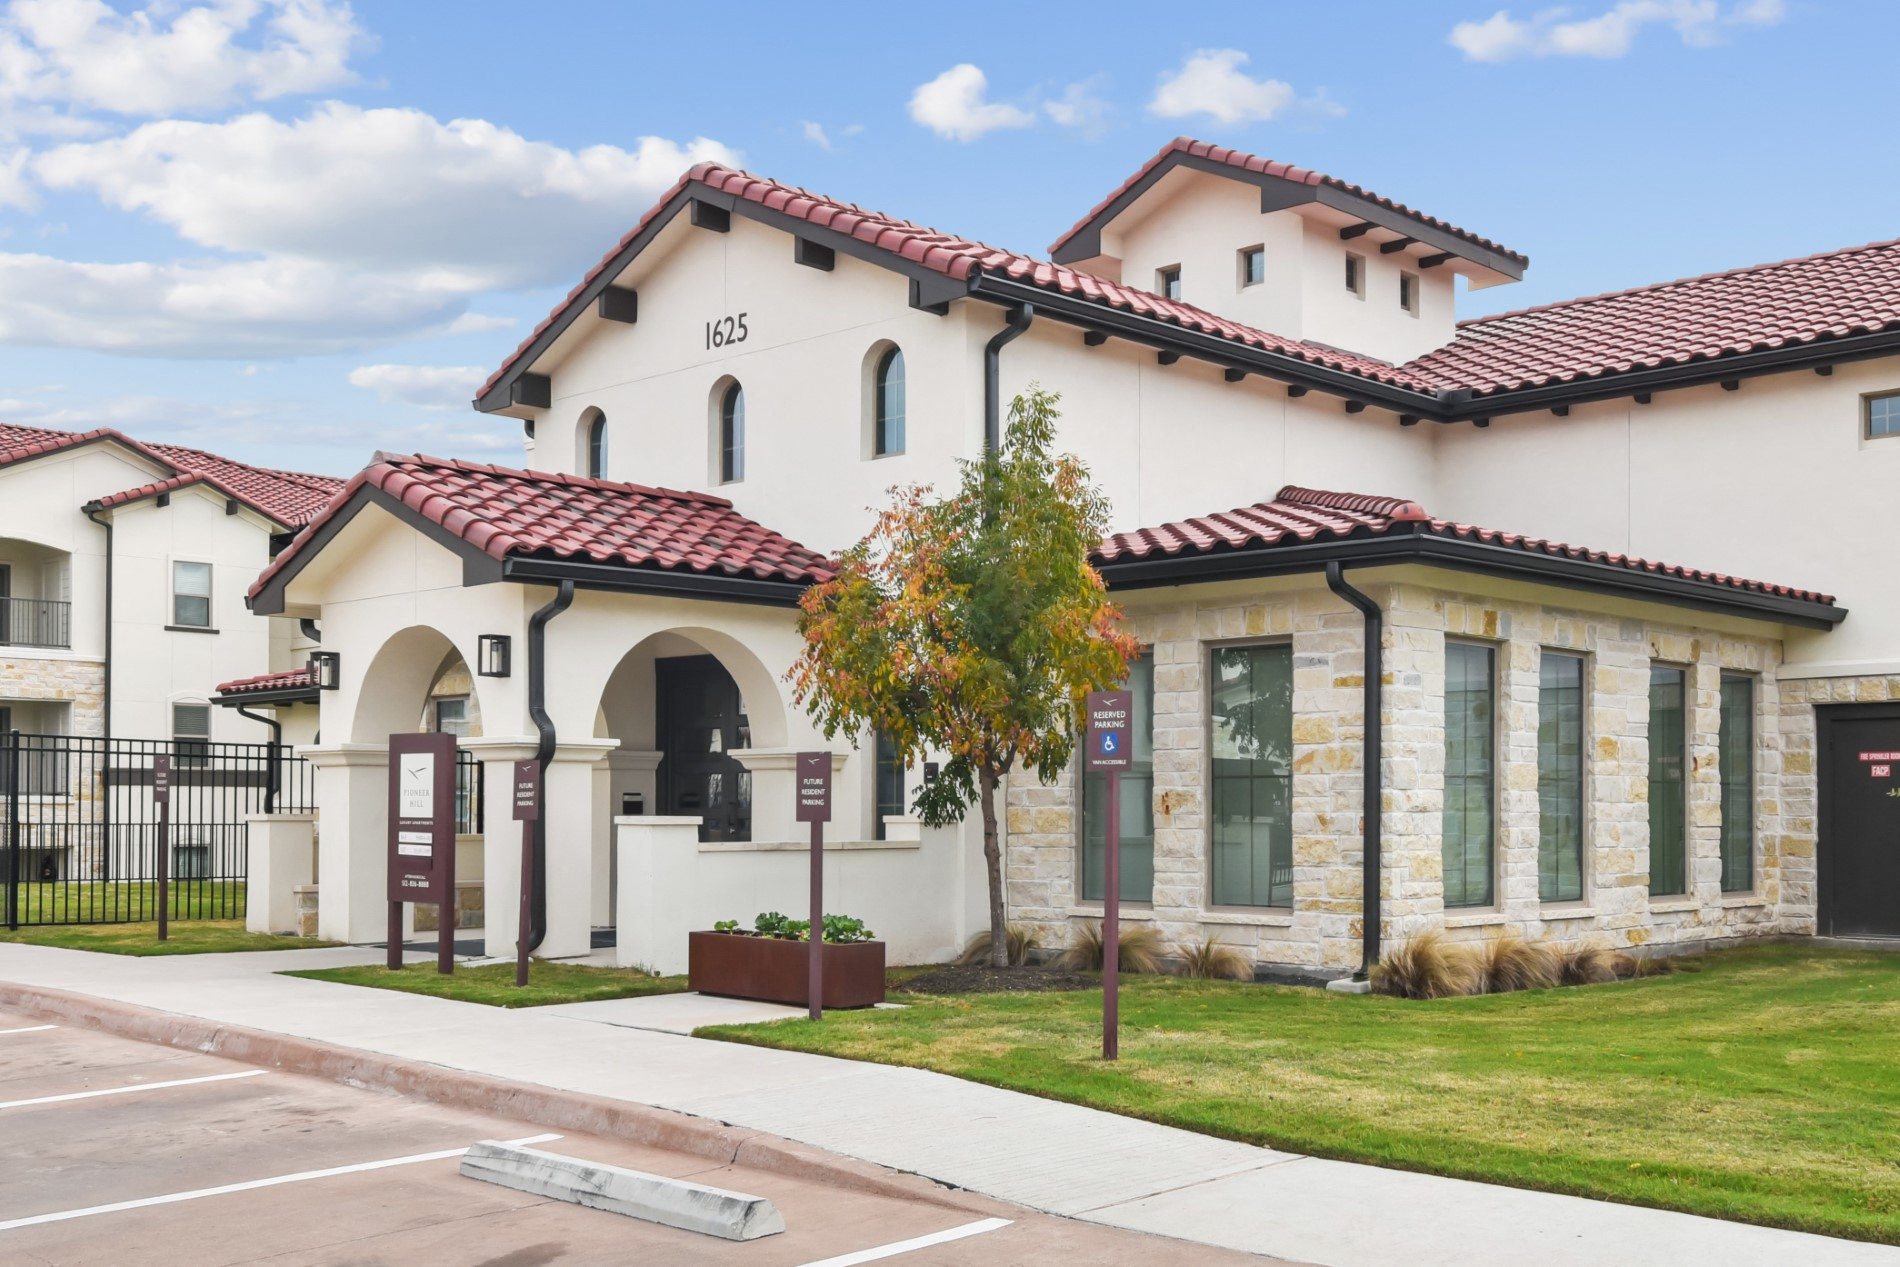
x,y
1106,753
813,792
527,799
422,838
162,798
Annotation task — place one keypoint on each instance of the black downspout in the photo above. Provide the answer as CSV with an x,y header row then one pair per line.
x,y
276,747
308,628
1014,324
91,511
544,750
1373,751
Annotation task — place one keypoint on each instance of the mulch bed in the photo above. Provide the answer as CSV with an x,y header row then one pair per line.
x,y
983,979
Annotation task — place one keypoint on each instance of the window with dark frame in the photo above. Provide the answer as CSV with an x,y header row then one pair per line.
x,y
1168,281
1408,292
1356,274
888,798
191,595
732,435
191,734
1253,265
1560,712
1250,704
1735,758
1470,814
451,715
1137,785
887,404
1668,806
597,446
1883,415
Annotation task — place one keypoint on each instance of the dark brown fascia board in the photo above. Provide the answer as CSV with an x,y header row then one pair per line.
x,y
276,695
477,568
1277,193
757,591
1468,555
933,292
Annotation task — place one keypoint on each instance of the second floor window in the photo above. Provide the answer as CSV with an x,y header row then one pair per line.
x,y
597,447
1408,293
191,595
887,404
1883,416
1253,266
1356,274
1168,281
732,435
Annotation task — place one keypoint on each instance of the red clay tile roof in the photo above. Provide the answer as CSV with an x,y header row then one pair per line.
x,y
506,513
1816,297
284,680
291,498
1285,171
1297,515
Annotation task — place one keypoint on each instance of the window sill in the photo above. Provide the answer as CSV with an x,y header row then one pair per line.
x,y
199,629
1733,901
1264,918
1550,913
1675,905
1475,919
1128,911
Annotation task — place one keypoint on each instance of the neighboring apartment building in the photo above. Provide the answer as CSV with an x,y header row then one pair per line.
x,y
1573,740
123,567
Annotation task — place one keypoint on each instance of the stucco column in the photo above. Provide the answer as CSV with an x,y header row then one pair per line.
x,y
501,838
623,772
281,859
576,816
772,808
352,840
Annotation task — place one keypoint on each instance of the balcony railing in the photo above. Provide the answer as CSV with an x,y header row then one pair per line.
x,y
35,622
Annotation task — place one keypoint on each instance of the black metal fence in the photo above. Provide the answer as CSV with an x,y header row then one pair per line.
x,y
80,827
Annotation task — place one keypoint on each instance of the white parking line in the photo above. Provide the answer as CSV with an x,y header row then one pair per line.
x,y
28,1029
914,1243
60,1216
137,1086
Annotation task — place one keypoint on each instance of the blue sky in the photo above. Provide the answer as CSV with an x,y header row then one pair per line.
x,y
297,231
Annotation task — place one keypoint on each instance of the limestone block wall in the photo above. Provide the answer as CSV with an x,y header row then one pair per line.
x,y
1321,931
80,683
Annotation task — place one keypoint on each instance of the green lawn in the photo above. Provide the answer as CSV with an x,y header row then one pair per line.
x,y
188,937
91,901
494,984
1764,1088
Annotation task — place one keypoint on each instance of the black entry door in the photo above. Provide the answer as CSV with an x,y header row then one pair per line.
x,y
1859,854
701,720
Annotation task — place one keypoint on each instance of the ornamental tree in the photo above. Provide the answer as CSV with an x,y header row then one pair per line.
x,y
973,626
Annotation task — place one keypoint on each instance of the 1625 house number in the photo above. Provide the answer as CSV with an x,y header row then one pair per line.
x,y
723,330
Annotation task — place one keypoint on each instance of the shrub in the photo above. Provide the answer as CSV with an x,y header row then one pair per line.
x,y
845,930
1507,962
1022,940
1211,960
1140,950
1627,966
1426,967
1585,965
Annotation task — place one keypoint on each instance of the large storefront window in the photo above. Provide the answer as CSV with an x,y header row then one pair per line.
x,y
1668,811
1470,783
1737,760
1251,703
1137,804
1560,778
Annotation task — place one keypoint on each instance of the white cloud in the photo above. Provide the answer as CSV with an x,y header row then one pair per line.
x,y
255,308
465,205
1081,106
480,323
424,386
168,58
956,106
1610,34
1212,83
815,133
15,189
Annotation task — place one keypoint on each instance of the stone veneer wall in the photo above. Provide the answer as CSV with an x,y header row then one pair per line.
x,y
1321,933
81,683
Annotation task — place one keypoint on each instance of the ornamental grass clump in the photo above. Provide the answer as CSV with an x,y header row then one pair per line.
x,y
1211,960
1585,965
1507,962
1140,950
1426,967
1022,941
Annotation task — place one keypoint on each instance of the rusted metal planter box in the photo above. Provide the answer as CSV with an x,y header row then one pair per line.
x,y
770,970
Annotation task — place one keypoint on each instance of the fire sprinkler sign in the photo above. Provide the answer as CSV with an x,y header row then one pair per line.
x,y
1110,723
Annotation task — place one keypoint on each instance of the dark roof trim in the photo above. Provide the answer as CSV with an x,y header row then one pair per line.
x,y
1277,193
477,568
280,695
1417,545
587,574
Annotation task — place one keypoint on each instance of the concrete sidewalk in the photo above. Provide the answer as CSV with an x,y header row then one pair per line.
x,y
1055,1157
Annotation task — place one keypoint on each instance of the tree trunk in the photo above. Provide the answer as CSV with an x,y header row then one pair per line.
x,y
993,859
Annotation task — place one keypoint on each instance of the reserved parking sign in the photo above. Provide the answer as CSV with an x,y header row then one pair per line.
x,y
1110,724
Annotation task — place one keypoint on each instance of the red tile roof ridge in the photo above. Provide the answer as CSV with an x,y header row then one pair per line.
x,y
1397,509
1672,283
266,681
385,458
1286,171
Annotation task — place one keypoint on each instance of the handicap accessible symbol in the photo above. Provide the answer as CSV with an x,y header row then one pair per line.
x,y
1111,742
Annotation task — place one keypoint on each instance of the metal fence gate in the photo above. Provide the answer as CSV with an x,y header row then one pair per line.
x,y
81,831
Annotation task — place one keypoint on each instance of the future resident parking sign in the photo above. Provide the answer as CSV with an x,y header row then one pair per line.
x,y
1110,723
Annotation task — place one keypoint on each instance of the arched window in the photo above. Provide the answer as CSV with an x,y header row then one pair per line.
x,y
732,434
887,404
594,445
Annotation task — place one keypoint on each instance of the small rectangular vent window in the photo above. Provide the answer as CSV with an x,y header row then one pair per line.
x,y
1356,274
1253,266
1168,281
1408,292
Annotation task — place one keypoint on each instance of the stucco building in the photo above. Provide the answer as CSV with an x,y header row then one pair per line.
x,y
1600,546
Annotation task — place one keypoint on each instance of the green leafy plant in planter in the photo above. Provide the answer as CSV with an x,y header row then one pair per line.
x,y
839,930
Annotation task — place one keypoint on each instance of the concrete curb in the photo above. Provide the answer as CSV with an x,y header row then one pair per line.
x,y
499,1097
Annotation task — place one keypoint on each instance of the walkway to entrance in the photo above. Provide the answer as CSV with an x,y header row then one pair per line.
x,y
1054,1157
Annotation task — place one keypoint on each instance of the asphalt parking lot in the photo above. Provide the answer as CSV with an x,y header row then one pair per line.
x,y
119,1152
